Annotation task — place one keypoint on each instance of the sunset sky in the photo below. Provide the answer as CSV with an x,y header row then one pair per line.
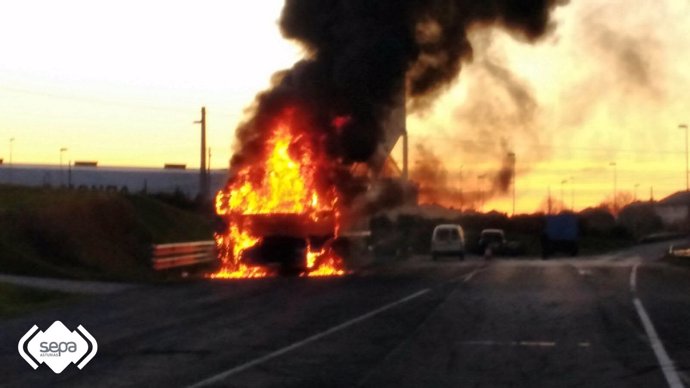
x,y
122,82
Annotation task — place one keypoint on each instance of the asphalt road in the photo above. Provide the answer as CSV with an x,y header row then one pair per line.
x,y
522,323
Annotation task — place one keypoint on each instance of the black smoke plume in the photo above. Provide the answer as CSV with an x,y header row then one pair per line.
x,y
362,55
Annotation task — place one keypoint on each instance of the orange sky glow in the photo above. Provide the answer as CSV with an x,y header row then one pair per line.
x,y
123,82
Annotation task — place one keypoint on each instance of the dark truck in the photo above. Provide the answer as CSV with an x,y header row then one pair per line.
x,y
560,235
286,238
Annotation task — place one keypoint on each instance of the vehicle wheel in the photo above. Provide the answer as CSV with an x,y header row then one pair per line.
x,y
434,257
461,256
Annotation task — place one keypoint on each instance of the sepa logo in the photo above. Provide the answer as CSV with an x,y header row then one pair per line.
x,y
57,347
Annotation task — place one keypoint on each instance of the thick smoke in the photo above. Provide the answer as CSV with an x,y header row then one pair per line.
x,y
437,185
363,55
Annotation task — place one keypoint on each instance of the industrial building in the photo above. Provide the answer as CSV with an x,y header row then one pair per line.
x,y
131,179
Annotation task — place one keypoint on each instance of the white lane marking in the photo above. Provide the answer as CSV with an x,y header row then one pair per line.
x,y
665,361
474,272
467,277
529,344
470,275
685,378
541,344
667,365
223,375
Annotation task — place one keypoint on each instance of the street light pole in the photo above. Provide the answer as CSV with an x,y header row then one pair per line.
x,y
563,182
513,161
572,194
615,184
62,174
11,151
480,179
203,181
635,195
549,202
687,183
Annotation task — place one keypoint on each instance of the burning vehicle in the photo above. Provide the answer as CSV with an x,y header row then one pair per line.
x,y
277,213
309,156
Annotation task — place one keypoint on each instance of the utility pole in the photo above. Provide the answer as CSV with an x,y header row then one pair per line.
x,y
615,186
405,171
203,181
69,174
513,162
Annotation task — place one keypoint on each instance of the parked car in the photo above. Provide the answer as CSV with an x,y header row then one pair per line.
x,y
448,240
492,238
496,240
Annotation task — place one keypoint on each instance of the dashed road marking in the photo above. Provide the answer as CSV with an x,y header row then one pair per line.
x,y
240,368
471,275
633,279
526,344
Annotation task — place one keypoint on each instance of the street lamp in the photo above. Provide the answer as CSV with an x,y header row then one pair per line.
x,y
615,184
11,178
62,175
572,193
685,127
480,179
549,202
513,162
11,149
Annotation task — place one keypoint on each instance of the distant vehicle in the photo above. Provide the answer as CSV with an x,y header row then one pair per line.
x,y
560,235
448,240
492,238
496,240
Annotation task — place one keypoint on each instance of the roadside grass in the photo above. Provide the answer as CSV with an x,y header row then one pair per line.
x,y
88,234
16,300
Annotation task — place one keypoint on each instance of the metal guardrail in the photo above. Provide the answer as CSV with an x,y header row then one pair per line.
x,y
678,251
185,254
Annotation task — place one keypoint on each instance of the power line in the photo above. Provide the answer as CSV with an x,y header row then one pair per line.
x,y
98,101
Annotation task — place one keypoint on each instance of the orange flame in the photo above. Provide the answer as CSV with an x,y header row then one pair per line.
x,y
282,183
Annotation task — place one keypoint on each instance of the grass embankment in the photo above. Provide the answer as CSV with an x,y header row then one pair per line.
x,y
85,234
15,300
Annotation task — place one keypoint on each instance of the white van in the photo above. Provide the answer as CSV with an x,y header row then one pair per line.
x,y
448,240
